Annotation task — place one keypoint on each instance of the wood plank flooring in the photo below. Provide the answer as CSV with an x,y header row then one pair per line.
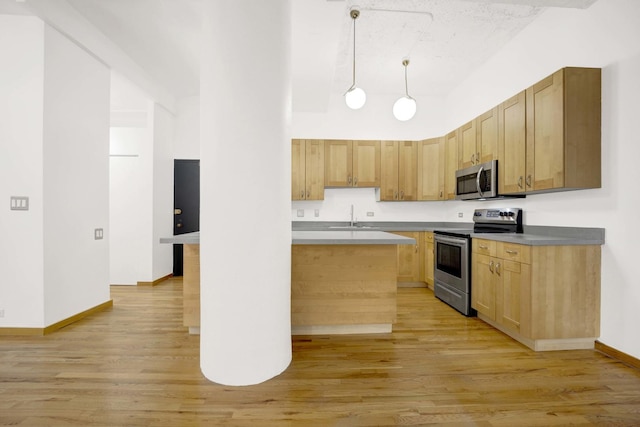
x,y
135,365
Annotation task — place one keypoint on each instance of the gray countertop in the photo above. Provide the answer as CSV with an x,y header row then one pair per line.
x,y
374,233
319,237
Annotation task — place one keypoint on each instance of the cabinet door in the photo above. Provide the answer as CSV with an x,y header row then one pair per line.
x,y
428,259
338,163
314,169
468,154
484,279
297,169
512,145
431,169
451,165
388,170
514,278
487,135
409,258
366,163
408,170
545,166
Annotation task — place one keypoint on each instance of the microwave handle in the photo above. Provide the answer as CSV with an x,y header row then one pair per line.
x,y
480,192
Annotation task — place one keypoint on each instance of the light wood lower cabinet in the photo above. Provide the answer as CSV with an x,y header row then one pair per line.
x,y
546,297
411,260
429,261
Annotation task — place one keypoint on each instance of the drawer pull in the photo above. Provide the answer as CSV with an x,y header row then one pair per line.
x,y
483,247
509,251
491,266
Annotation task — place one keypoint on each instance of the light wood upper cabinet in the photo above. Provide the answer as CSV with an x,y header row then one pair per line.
x,y
352,163
366,163
431,169
563,131
450,165
307,169
478,140
487,136
468,152
398,171
512,145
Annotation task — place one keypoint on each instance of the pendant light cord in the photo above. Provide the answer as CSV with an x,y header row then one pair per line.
x,y
405,62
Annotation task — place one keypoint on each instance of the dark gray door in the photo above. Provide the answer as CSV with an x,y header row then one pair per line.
x,y
186,204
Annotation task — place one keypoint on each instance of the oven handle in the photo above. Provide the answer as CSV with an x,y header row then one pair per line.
x,y
480,192
451,240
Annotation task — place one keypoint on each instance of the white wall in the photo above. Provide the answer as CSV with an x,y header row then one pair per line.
x,y
76,179
21,158
130,195
54,106
162,204
374,121
187,138
141,193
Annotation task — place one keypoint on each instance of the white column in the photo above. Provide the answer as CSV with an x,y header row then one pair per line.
x,y
245,258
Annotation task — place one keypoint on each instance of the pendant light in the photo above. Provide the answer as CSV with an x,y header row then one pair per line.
x,y
405,107
355,96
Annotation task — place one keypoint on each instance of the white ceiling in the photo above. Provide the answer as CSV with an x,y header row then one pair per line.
x,y
444,39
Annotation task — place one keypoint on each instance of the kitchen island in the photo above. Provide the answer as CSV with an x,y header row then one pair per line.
x,y
342,281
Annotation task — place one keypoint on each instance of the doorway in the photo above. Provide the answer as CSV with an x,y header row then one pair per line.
x,y
186,204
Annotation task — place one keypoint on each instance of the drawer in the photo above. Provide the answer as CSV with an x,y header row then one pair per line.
x,y
514,252
484,247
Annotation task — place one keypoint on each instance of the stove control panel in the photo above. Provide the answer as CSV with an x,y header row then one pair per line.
x,y
498,215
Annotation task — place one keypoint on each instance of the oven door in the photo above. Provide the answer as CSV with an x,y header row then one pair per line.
x,y
452,261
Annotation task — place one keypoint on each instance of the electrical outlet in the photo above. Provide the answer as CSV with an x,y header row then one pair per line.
x,y
369,213
19,203
316,213
300,213
460,214
1,312
98,234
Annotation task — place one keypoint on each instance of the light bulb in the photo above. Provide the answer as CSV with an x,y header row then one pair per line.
x,y
355,98
404,108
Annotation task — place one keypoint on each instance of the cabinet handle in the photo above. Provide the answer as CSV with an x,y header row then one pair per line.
x,y
355,181
509,251
302,194
395,196
491,266
473,159
520,182
308,194
528,181
478,157
483,247
417,247
441,195
498,268
349,179
401,194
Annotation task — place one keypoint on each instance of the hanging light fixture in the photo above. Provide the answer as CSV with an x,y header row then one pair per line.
x,y
355,96
405,107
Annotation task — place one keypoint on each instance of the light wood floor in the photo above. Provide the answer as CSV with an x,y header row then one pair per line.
x,y
136,365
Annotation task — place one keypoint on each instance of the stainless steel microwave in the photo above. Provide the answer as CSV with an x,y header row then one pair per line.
x,y
477,182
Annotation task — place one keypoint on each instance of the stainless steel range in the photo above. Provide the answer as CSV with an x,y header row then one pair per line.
x,y
452,266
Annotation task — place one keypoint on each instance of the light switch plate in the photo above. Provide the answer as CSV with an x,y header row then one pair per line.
x,y
98,234
300,213
19,203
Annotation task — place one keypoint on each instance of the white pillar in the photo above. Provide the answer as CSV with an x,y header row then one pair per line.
x,y
245,249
